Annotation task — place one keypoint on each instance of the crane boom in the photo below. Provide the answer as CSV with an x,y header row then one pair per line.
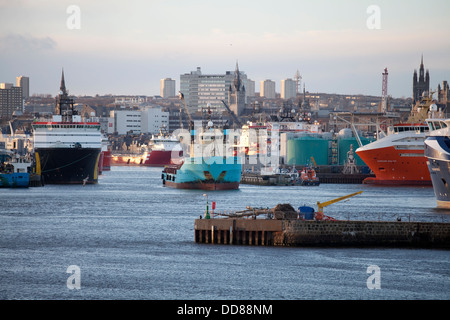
x,y
185,108
235,118
319,215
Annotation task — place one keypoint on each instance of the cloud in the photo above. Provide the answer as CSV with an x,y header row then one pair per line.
x,y
25,43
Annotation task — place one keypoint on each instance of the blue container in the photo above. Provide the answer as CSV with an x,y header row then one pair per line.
x,y
306,212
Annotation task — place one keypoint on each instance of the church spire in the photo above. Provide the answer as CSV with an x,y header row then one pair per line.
x,y
237,78
63,83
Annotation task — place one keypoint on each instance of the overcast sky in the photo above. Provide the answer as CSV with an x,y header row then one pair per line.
x,y
126,47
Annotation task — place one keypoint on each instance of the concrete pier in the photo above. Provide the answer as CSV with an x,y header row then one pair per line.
x,y
237,231
273,232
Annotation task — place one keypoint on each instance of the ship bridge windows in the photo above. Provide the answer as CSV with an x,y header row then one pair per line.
x,y
437,124
418,129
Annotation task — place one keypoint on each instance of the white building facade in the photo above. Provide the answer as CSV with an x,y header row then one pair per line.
x,y
153,119
267,89
126,121
288,89
148,120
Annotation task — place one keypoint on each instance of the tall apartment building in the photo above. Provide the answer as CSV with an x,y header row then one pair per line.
x,y
267,89
24,83
199,89
168,88
288,89
249,88
10,100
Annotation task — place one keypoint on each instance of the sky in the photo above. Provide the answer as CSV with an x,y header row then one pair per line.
x,y
127,47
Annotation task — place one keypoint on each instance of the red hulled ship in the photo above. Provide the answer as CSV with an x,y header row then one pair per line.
x,y
162,150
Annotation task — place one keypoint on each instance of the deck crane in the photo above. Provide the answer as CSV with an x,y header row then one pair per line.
x,y
314,162
320,215
191,122
235,118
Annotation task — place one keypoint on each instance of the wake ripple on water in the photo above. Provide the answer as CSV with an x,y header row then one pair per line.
x,y
134,239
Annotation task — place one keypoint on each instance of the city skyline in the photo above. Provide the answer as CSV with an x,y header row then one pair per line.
x,y
127,48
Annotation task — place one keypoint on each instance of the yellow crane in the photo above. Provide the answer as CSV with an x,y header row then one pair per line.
x,y
320,215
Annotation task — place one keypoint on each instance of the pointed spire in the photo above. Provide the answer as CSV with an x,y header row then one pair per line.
x,y
237,78
63,83
421,64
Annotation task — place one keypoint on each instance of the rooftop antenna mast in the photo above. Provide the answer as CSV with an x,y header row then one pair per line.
x,y
298,79
384,96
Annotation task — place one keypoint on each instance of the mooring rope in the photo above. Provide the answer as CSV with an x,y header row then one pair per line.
x,y
44,171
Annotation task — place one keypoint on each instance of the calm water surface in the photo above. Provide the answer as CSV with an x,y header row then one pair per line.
x,y
134,239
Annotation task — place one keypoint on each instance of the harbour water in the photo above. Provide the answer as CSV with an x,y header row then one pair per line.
x,y
132,238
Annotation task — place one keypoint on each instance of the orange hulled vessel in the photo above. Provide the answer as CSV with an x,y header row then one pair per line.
x,y
398,158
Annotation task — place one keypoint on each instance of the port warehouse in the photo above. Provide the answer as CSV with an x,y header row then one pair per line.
x,y
273,232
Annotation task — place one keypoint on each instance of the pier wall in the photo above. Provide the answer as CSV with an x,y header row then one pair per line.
x,y
323,233
364,233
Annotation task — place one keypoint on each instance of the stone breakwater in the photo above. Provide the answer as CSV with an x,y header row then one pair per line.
x,y
323,233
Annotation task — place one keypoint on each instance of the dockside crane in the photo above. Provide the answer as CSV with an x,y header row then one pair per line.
x,y
320,215
235,118
191,122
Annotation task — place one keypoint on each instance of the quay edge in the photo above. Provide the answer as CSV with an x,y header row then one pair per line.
x,y
298,233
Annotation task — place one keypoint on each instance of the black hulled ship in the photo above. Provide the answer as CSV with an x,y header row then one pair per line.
x,y
67,148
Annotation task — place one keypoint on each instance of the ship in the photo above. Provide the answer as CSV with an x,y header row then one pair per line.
x,y
437,151
105,156
67,148
308,177
14,170
398,158
212,173
163,149
212,163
